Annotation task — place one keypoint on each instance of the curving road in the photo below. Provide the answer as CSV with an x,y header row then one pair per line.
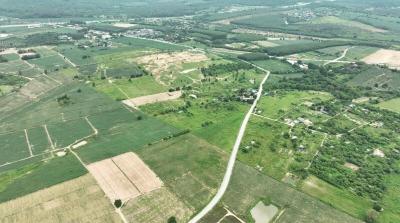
x,y
232,159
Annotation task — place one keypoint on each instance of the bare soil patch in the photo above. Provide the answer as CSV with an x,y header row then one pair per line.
x,y
124,25
124,177
113,181
390,58
162,62
352,166
262,213
149,99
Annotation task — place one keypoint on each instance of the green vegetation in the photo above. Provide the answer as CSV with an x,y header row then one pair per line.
x,y
28,179
299,207
322,144
392,105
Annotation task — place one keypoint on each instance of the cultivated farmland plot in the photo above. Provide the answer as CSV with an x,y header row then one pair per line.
x,y
124,177
80,198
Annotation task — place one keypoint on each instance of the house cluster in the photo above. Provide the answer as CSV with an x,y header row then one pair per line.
x,y
302,15
144,33
299,120
248,95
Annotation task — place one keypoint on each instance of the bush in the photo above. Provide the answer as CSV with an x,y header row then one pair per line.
x,y
172,220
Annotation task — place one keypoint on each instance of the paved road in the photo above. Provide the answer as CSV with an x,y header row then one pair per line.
x,y
232,159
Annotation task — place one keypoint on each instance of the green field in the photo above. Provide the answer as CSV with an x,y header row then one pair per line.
x,y
391,105
242,195
38,140
121,131
340,199
276,66
31,178
124,88
189,166
13,147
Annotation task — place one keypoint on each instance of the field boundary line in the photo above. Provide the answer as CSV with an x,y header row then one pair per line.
x,y
58,82
50,140
66,59
28,142
95,131
126,176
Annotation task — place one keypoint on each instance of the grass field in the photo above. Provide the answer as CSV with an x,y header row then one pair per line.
x,y
34,177
143,44
122,131
38,140
213,114
275,66
298,207
225,120
391,105
13,147
190,167
121,89
340,199
156,206
345,22
80,198
279,105
391,200
76,129
50,63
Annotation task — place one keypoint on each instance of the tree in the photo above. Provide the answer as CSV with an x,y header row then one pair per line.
x,y
172,220
118,203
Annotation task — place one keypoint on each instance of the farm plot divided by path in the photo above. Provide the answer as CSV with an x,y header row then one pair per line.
x,y
124,177
41,140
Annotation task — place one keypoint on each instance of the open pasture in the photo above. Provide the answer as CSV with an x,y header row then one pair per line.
x,y
31,177
14,67
392,105
13,147
297,206
190,167
121,131
147,44
345,22
50,63
120,89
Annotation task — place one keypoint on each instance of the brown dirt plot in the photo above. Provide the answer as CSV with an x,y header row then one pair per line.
x,y
387,57
149,99
159,63
124,177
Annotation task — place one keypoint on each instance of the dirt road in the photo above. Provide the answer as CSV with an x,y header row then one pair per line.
x,y
339,58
